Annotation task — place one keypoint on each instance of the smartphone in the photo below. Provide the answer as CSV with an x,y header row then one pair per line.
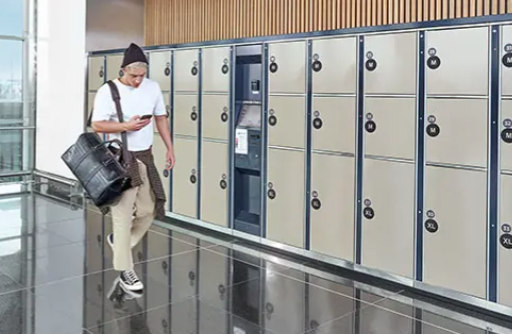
x,y
146,117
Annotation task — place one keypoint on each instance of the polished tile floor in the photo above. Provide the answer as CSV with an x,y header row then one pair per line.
x,y
56,277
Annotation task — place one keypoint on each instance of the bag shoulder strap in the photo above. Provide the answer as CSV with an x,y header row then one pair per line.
x,y
117,100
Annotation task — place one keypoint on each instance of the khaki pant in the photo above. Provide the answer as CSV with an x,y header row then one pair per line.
x,y
132,216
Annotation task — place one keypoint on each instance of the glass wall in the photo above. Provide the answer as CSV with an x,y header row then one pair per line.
x,y
17,107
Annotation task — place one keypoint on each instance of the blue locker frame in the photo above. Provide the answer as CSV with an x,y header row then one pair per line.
x,y
494,22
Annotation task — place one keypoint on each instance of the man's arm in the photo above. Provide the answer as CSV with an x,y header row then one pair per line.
x,y
162,124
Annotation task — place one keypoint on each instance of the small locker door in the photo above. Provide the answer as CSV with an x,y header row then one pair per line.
x,y
216,69
185,177
159,155
96,72
287,121
287,67
214,185
285,197
186,71
160,69
506,135
215,117
186,115
114,67
505,242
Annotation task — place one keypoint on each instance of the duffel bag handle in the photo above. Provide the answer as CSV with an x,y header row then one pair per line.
x,y
110,142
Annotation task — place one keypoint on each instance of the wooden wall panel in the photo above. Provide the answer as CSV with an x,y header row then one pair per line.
x,y
187,21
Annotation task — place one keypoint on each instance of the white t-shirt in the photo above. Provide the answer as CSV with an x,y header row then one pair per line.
x,y
144,100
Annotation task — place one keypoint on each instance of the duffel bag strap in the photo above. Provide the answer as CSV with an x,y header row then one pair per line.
x,y
117,100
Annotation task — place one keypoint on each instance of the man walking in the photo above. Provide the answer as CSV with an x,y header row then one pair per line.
x,y
133,213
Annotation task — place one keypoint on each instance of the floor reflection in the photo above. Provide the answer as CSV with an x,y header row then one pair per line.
x,y
56,277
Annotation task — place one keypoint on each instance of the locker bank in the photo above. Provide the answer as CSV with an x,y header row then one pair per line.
x,y
381,150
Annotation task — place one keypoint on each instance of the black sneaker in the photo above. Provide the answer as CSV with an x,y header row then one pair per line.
x,y
130,281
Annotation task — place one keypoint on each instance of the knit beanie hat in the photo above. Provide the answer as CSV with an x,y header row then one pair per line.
x,y
132,55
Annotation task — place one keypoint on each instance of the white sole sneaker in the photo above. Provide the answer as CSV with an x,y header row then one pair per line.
x,y
129,281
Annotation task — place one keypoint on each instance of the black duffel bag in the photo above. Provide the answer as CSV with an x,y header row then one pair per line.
x,y
99,167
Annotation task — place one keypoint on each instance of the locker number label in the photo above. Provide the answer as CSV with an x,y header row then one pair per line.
x,y
317,66
273,68
433,130
433,62
371,65
506,241
507,123
368,213
507,60
508,48
370,126
317,123
506,228
431,226
506,136
316,204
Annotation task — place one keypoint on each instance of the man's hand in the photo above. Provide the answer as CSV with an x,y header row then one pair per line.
x,y
135,123
169,160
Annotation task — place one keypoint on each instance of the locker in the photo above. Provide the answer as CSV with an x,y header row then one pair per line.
x,y
456,131
213,288
287,67
167,102
90,106
506,135
186,115
334,65
287,121
504,242
457,61
329,301
334,124
114,67
285,303
391,63
332,206
285,197
214,185
216,69
159,155
215,116
455,229
506,61
185,177
96,72
160,69
388,216
390,127
186,70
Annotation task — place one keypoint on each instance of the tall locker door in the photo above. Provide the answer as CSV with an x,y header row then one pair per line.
x,y
455,229
216,69
160,69
505,242
186,71
159,156
506,135
285,197
214,185
184,285
97,73
158,286
213,283
447,72
185,178
332,205
114,66
287,67
390,63
388,216
506,61
186,115
287,121
334,65
215,117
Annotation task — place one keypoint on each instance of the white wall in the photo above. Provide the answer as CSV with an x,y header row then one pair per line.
x,y
60,81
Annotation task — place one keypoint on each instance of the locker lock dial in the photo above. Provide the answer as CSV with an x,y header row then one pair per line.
x,y
101,72
194,70
193,177
272,120
271,194
193,114
225,69
167,71
273,67
223,184
224,115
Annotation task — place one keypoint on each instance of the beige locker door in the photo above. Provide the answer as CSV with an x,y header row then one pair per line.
x,y
96,72
216,69
285,197
390,127
456,131
334,124
215,116
452,77
185,177
506,135
90,107
213,288
504,245
160,69
456,205
332,211
159,155
287,121
287,67
388,217
186,115
390,63
186,70
335,65
506,72
214,184
114,67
